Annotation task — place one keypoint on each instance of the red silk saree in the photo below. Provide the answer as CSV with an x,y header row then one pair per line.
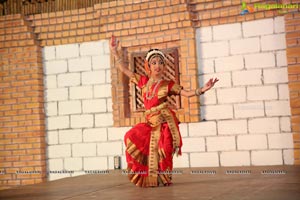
x,y
150,146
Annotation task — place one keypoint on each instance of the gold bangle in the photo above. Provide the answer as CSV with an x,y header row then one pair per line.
x,y
197,92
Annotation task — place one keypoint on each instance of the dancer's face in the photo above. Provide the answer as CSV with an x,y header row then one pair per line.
x,y
157,67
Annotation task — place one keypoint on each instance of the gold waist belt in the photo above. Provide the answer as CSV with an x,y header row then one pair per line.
x,y
156,109
160,114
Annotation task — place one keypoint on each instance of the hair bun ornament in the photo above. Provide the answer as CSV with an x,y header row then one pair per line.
x,y
147,68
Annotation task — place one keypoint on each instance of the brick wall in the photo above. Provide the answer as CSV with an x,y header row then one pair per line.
x,y
248,113
78,74
22,129
293,58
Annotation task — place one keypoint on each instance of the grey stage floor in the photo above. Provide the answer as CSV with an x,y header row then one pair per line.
x,y
234,183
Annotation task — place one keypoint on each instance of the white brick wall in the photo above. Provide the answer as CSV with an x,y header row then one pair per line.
x,y
267,157
250,103
78,108
221,143
263,125
232,127
235,158
252,142
247,113
204,159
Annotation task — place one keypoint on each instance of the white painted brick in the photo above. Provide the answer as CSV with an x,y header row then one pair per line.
x,y
231,63
213,49
104,120
237,158
244,46
224,79
107,76
51,108
181,161
204,34
93,77
288,157
81,92
245,110
69,79
226,143
281,141
262,93
55,67
93,106
101,62
69,107
205,66
193,144
278,108
84,149
106,46
258,27
67,51
268,157
247,77
57,176
73,164
202,129
70,136
285,124
55,164
123,162
281,58
109,105
80,64
95,163
109,148
276,75
59,151
101,91
252,142
231,95
227,31
279,24
60,122
117,133
260,60
264,125
214,112
50,81
183,128
209,98
49,53
204,159
232,127
273,42
91,48
58,94
95,135
284,92
52,137
82,121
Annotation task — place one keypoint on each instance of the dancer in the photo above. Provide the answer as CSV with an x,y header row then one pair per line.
x,y
150,146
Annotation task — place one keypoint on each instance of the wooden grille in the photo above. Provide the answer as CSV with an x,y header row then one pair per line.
x,y
171,72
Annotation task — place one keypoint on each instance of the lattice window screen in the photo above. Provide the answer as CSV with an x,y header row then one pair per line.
x,y
171,73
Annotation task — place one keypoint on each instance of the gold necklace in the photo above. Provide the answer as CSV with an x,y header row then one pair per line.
x,y
150,82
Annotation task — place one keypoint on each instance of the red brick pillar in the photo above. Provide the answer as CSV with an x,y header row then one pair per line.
x,y
292,26
22,120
